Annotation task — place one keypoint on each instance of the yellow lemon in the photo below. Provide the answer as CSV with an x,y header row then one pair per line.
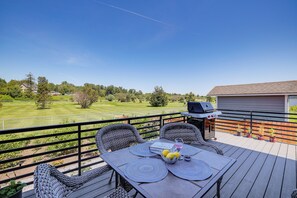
x,y
176,154
170,156
165,152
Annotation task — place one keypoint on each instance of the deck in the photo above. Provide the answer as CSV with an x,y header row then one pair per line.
x,y
262,169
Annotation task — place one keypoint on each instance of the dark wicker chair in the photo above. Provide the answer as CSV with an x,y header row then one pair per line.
x,y
115,137
190,135
188,132
51,183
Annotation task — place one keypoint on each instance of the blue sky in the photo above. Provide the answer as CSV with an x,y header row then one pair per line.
x,y
183,46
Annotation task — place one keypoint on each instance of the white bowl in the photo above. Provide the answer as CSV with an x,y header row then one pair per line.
x,y
169,161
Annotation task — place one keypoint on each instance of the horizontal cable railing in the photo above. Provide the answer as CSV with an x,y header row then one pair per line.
x,y
281,126
70,147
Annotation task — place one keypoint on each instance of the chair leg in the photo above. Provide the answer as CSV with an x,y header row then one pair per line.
x,y
116,180
111,177
219,187
135,194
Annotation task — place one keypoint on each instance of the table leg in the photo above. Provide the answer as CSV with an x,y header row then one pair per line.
x,y
219,187
111,177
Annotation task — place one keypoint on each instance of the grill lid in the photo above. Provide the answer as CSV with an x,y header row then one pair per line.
x,y
200,107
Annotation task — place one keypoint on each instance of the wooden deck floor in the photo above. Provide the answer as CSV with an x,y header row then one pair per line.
x,y
262,169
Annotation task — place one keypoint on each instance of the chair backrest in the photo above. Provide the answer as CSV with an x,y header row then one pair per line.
x,y
188,132
47,182
117,136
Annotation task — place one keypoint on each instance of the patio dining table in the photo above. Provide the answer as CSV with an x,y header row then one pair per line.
x,y
171,185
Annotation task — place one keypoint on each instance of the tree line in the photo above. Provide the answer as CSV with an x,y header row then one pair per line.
x,y
42,91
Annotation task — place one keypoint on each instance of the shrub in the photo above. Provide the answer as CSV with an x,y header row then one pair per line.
x,y
11,189
121,97
23,98
293,109
158,97
6,98
62,145
59,138
190,97
12,145
110,97
86,97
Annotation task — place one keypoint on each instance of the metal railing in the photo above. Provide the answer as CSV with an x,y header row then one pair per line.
x,y
70,146
284,125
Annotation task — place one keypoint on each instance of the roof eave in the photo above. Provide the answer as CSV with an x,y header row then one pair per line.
x,y
254,94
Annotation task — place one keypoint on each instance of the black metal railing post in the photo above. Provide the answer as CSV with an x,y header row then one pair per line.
x,y
161,121
251,122
79,149
129,121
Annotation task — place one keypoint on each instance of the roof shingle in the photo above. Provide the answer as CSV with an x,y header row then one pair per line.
x,y
281,88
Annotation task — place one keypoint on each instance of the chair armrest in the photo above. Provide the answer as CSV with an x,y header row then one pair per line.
x,y
75,181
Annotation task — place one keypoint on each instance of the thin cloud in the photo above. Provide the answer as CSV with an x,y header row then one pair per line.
x,y
72,61
133,13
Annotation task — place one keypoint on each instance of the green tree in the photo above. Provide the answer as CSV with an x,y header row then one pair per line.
x,y
133,97
182,99
3,85
43,97
190,97
158,97
210,99
66,88
121,97
86,97
52,87
141,98
110,97
112,90
14,89
29,83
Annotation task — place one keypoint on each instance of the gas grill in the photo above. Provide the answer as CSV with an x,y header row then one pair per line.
x,y
203,116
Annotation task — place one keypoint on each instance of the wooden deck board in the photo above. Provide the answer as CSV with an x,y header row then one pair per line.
x,y
230,186
289,181
262,169
240,155
95,187
276,179
248,181
259,186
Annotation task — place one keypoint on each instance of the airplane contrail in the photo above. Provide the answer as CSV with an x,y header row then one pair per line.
x,y
133,13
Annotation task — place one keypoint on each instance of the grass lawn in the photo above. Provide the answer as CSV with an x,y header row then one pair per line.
x,y
24,114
